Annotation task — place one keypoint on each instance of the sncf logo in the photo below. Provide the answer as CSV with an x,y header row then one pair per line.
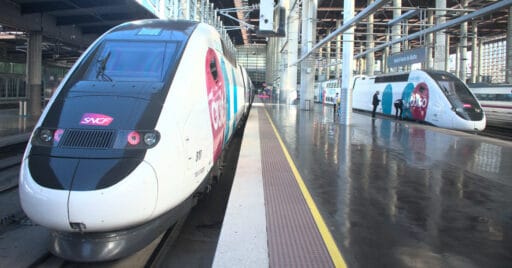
x,y
96,119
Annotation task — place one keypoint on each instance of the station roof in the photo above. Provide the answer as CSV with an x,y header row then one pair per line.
x,y
490,26
59,19
68,26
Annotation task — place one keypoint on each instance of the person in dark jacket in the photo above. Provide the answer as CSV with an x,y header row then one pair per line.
x,y
398,106
375,102
336,107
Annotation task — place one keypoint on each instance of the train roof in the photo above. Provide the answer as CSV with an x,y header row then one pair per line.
x,y
153,29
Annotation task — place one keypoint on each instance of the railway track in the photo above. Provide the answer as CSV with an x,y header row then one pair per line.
x,y
498,132
10,159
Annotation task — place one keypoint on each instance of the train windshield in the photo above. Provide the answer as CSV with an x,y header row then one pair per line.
x,y
130,61
455,89
464,103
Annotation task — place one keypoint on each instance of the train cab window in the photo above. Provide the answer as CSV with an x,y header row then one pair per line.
x,y
456,91
213,69
130,61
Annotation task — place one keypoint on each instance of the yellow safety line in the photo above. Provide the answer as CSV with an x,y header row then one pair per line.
x,y
334,252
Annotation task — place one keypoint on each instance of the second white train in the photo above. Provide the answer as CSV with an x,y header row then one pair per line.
x,y
434,97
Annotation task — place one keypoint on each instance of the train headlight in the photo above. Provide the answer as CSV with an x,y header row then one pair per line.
x,y
46,135
150,139
136,139
133,138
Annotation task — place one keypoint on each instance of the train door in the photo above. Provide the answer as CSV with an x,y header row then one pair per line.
x,y
436,113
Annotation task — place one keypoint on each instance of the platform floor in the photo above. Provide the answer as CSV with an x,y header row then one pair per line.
x,y
391,193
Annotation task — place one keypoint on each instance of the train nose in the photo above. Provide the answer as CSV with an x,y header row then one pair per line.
x,y
83,205
127,203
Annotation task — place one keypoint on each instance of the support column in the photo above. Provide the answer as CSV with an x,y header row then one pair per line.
x,y
202,10
509,48
480,52
270,62
474,53
320,68
289,77
430,42
361,62
385,68
396,29
275,63
162,10
34,73
185,10
307,41
194,10
304,65
338,51
175,9
405,32
440,54
328,71
463,47
457,62
446,53
293,32
348,62
282,49
370,57
213,15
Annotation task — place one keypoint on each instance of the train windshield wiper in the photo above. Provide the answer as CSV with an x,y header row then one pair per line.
x,y
102,65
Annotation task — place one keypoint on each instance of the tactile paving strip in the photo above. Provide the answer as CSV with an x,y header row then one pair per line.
x,y
293,237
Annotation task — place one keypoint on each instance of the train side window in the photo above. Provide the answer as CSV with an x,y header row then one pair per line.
x,y
213,69
501,97
486,96
392,78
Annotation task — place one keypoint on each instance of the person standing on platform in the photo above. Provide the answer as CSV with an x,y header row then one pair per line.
x,y
398,106
338,102
335,105
375,102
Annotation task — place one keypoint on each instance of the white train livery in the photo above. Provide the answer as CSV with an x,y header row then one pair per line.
x,y
434,97
496,100
135,129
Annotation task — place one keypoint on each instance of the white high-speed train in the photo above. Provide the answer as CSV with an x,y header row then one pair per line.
x,y
434,97
134,131
496,100
325,92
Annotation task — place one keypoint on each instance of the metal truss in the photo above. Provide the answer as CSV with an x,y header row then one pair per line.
x,y
246,10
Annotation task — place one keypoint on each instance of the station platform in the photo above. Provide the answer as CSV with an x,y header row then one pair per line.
x,y
15,128
311,192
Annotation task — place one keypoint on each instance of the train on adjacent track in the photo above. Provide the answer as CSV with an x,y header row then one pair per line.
x,y
496,100
433,97
133,134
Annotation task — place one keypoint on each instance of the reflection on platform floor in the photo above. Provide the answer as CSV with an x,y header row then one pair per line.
x,y
400,194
